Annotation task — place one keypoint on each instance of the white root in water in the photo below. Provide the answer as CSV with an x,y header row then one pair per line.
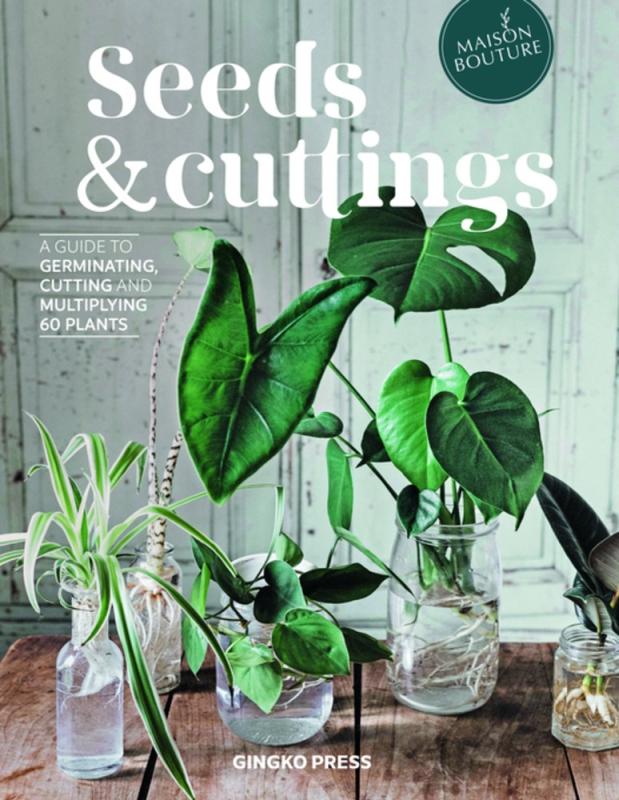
x,y
592,705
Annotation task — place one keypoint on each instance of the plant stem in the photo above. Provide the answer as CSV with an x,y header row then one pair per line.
x,y
370,466
445,336
353,390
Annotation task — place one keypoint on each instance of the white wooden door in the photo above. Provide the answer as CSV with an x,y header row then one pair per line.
x,y
557,338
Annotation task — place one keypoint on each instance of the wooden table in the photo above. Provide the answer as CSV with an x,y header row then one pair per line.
x,y
502,751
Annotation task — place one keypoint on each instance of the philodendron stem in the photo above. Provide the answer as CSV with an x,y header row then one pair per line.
x,y
445,336
449,358
369,465
353,390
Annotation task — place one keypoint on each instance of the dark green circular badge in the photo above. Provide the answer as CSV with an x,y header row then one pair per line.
x,y
496,51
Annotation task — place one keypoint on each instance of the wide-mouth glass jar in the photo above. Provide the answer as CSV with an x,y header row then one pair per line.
x,y
445,638
157,616
305,703
89,695
586,690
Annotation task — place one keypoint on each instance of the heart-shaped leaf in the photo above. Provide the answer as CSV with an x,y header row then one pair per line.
x,y
364,649
286,549
256,672
575,524
604,561
372,446
311,644
282,592
323,426
242,392
340,584
413,265
340,495
401,417
195,246
489,441
418,510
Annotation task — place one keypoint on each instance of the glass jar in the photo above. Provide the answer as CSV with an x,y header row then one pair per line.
x,y
158,617
445,638
303,707
585,711
89,696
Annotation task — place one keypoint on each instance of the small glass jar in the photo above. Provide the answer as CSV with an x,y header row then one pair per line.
x,y
585,711
89,696
303,707
445,637
158,617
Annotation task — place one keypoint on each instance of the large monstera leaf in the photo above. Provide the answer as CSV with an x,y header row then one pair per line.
x,y
412,263
489,441
242,392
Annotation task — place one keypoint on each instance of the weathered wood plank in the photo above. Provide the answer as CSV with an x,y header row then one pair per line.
x,y
503,750
209,747
27,739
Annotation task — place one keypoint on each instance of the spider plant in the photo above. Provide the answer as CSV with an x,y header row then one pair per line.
x,y
88,554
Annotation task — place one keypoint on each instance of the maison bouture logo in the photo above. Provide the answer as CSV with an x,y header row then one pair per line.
x,y
494,51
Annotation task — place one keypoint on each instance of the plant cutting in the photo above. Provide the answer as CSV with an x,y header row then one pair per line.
x,y
586,682
157,615
85,561
468,445
283,642
242,393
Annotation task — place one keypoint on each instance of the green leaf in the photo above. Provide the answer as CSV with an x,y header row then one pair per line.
x,y
353,540
575,524
242,392
340,584
103,591
372,446
413,264
311,644
195,643
364,649
37,530
604,562
193,615
287,550
256,673
417,510
401,417
133,453
233,585
596,615
323,426
58,474
141,683
489,441
195,246
282,593
340,496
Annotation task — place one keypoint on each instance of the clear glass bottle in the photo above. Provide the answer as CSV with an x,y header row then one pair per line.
x,y
585,711
302,709
445,639
89,697
158,617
